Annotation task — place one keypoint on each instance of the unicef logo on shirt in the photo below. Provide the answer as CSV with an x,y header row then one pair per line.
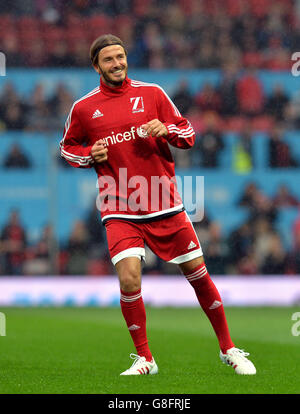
x,y
142,133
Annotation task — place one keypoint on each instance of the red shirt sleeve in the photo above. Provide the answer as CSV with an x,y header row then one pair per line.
x,y
181,133
72,146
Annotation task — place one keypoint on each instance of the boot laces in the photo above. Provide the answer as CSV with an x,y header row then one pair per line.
x,y
137,359
239,353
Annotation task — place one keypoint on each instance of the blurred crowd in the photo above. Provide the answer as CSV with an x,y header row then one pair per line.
x,y
83,253
236,104
39,113
159,33
254,247
238,98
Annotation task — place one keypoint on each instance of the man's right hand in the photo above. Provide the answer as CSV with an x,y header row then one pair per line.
x,y
99,151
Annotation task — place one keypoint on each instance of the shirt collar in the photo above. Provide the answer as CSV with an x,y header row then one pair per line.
x,y
119,90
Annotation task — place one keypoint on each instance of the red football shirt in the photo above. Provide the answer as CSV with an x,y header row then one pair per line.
x,y
137,182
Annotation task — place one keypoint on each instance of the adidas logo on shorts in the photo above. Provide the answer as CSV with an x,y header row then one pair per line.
x,y
191,245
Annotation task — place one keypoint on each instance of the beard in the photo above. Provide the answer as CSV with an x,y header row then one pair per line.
x,y
108,79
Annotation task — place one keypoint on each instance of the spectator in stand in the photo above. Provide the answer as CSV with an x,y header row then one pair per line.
x,y
247,265
96,233
250,94
206,55
38,114
284,198
243,152
209,145
13,117
40,259
60,103
10,45
12,109
40,117
251,55
276,57
98,255
182,57
37,57
296,230
279,151
154,43
292,111
183,98
10,98
202,227
9,95
77,248
295,252
262,208
248,196
216,252
226,51
16,158
50,11
208,99
246,139
259,205
240,243
60,56
277,102
79,53
263,238
227,90
81,7
276,260
13,244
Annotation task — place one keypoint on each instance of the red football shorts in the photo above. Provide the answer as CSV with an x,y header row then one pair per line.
x,y
173,239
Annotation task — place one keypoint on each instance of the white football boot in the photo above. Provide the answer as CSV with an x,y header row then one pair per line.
x,y
237,359
141,367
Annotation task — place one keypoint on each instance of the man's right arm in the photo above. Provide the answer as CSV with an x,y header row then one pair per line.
x,y
72,146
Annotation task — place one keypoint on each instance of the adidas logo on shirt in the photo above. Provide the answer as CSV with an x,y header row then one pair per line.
x,y
97,114
191,245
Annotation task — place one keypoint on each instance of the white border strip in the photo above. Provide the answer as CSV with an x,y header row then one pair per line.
x,y
188,256
156,291
143,216
132,252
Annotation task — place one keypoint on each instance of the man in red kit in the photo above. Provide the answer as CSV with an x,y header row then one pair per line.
x,y
123,129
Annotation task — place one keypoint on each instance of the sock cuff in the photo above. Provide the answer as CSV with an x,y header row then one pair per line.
x,y
197,273
130,296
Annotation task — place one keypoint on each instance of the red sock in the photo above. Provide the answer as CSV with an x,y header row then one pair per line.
x,y
211,302
134,313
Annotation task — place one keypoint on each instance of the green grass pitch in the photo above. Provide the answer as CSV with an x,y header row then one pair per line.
x,y
83,350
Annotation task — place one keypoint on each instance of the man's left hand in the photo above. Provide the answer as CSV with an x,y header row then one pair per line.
x,y
155,128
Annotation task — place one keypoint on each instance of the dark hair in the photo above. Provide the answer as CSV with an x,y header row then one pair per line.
x,y
103,41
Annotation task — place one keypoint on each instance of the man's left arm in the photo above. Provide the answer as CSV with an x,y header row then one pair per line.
x,y
170,124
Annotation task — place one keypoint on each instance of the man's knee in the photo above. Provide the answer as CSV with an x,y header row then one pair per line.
x,y
129,272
